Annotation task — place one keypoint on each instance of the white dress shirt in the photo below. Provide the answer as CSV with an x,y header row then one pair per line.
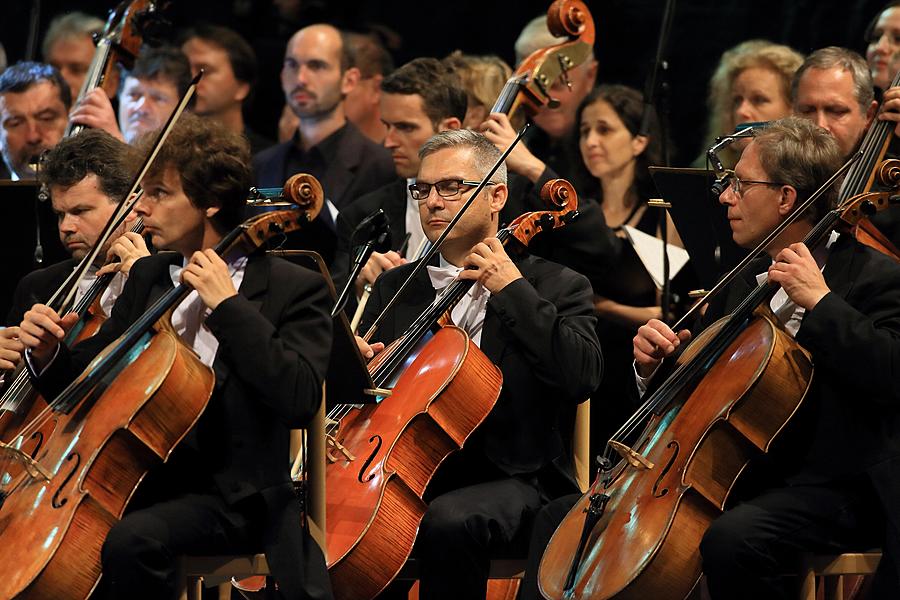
x,y
189,317
469,312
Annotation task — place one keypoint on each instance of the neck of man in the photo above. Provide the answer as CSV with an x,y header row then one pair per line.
x,y
315,129
232,118
796,232
206,237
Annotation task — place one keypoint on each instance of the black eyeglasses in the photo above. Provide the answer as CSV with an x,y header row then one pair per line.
x,y
738,184
446,188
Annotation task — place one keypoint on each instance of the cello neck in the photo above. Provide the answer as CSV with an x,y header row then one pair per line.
x,y
93,79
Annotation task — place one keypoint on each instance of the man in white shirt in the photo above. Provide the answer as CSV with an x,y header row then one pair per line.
x,y
263,326
87,175
534,320
815,495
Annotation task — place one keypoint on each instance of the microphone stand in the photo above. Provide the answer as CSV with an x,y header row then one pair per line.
x,y
656,98
380,238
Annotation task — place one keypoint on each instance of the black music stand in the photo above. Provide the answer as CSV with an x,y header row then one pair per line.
x,y
348,380
701,221
24,217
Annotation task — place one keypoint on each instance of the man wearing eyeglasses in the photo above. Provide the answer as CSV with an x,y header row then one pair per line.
x,y
534,320
830,483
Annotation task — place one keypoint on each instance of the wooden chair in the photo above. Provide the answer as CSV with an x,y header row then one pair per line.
x,y
832,570
219,570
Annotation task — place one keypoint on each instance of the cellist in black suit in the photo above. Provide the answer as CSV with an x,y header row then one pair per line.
x,y
533,319
832,484
263,325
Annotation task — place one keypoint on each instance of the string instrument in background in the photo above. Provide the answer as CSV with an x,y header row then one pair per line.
x,y
636,532
119,44
868,170
123,415
436,387
529,88
19,404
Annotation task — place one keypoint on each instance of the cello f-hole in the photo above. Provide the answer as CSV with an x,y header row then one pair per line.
x,y
39,436
659,493
57,502
370,459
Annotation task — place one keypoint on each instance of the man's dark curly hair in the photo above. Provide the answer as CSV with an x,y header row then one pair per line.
x,y
91,152
212,162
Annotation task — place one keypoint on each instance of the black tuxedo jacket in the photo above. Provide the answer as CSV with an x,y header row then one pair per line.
x,y
37,287
849,423
274,342
539,330
586,245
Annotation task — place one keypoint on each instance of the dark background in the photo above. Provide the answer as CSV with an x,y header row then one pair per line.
x,y
627,33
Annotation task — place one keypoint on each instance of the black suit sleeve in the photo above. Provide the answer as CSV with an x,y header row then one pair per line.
x,y
557,336
859,344
281,364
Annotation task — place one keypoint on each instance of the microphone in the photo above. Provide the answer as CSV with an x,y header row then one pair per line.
x,y
376,231
741,130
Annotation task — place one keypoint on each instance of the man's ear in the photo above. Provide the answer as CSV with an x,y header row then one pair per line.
x,y
449,123
497,195
242,92
349,80
211,211
787,201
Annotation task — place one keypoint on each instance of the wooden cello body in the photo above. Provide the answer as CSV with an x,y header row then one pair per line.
x,y
374,503
124,414
95,459
382,456
645,544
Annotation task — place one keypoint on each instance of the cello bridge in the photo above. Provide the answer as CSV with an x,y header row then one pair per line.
x,y
31,466
635,459
334,445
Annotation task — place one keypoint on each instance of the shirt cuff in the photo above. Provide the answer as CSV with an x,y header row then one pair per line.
x,y
30,364
642,382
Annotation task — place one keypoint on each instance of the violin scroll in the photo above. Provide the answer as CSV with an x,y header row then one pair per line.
x,y
571,19
556,193
305,191
889,173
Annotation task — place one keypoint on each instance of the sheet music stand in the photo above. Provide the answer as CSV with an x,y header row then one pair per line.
x,y
701,221
348,380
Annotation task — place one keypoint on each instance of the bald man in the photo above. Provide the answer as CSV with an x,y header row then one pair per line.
x,y
317,74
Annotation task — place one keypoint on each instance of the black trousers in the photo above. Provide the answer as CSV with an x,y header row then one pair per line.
x,y
475,513
545,524
750,551
140,552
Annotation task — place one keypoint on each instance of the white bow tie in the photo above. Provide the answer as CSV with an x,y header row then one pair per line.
x,y
441,277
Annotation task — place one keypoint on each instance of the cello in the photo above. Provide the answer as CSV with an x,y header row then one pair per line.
x,y
636,532
135,402
118,44
382,456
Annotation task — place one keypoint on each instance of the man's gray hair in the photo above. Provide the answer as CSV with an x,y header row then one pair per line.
x,y
70,25
484,153
797,152
842,58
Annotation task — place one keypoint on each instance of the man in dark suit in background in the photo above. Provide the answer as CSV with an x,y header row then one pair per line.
x,y
226,487
317,74
534,320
